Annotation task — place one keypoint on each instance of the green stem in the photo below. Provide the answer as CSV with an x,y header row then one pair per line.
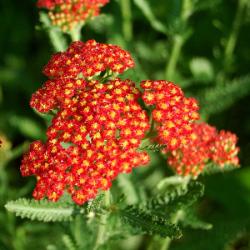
x,y
165,244
127,27
102,230
231,44
233,37
55,34
179,40
57,40
171,65
75,33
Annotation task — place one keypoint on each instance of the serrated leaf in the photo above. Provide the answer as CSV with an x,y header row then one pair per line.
x,y
153,147
214,169
40,210
221,97
176,199
143,222
96,204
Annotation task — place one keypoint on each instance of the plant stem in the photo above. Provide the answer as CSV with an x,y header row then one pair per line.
x,y
178,40
171,65
103,223
55,34
233,37
231,44
127,20
165,244
75,33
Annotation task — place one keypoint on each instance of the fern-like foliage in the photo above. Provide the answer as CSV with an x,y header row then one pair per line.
x,y
41,210
212,168
153,147
95,205
176,199
221,97
143,222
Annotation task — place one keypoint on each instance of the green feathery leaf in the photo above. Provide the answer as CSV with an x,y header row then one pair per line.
x,y
176,199
212,168
153,147
221,97
96,204
41,210
143,222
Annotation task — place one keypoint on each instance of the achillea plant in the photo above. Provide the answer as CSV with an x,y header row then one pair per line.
x,y
98,125
102,166
102,126
98,128
67,14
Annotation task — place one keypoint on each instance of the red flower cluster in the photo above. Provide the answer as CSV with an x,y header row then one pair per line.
x,y
69,13
70,70
97,130
88,59
99,125
208,145
172,112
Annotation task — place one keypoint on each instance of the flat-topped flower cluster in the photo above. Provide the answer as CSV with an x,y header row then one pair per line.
x,y
99,125
67,14
208,145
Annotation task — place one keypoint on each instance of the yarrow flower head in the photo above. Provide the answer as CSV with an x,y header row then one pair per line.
x,y
173,113
70,70
209,145
97,130
67,14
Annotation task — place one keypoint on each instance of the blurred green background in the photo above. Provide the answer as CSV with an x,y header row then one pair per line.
x,y
203,47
